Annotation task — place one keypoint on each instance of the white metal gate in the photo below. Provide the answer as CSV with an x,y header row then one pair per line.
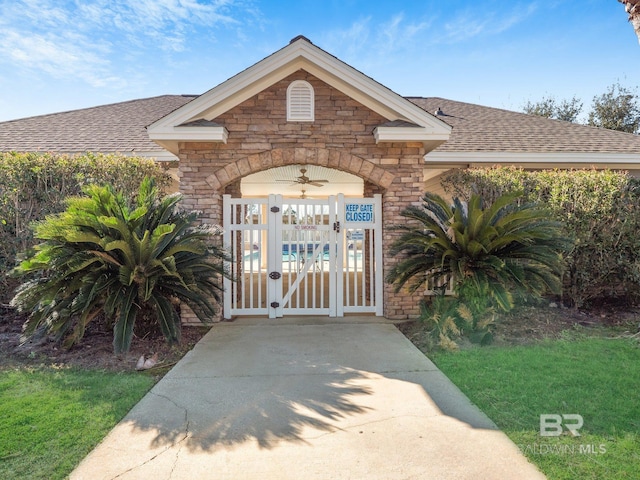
x,y
303,256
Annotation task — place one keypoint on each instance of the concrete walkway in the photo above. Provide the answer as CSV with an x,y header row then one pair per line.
x,y
305,399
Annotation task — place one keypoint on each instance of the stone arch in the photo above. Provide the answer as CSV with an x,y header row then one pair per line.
x,y
330,158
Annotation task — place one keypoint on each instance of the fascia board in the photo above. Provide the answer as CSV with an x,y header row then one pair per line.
x,y
228,98
226,103
366,90
239,88
407,134
532,158
223,93
281,64
351,89
192,134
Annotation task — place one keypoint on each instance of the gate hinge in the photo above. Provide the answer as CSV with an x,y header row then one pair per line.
x,y
275,209
336,226
274,275
275,304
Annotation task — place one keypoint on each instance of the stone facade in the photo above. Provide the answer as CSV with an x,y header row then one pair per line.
x,y
341,137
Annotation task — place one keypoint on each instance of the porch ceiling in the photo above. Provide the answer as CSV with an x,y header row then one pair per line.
x,y
274,180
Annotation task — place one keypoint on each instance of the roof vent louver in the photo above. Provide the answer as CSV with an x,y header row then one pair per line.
x,y
300,102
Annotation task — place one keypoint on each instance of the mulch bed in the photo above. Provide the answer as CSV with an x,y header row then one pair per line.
x,y
94,352
523,326
526,325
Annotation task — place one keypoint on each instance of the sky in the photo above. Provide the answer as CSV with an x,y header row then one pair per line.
x,y
59,55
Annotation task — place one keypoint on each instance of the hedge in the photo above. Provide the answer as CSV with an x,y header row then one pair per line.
x,y
34,185
600,210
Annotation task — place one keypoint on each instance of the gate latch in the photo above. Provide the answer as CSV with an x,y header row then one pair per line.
x,y
336,226
275,304
274,275
275,209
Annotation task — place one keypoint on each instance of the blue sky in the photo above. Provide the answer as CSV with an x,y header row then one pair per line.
x,y
58,55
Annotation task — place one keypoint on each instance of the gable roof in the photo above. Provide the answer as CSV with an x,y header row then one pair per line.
x,y
300,54
487,134
477,131
118,127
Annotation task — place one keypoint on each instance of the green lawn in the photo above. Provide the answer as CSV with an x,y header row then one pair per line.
x,y
51,418
598,378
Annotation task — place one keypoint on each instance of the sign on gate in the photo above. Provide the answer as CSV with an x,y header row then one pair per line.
x,y
303,256
358,212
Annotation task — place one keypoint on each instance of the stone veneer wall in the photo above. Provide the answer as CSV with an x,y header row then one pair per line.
x,y
341,137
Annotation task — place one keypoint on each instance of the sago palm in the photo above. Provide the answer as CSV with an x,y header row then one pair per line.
x,y
492,251
104,256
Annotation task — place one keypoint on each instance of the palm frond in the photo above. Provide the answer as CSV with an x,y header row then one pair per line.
x,y
492,248
104,254
123,328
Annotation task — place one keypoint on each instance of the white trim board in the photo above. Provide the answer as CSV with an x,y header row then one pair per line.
x,y
509,158
300,54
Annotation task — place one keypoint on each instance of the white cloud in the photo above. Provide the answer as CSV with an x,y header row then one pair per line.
x,y
162,20
64,56
88,39
368,42
352,40
399,34
473,23
43,12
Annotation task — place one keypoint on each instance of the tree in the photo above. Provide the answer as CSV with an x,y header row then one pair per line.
x,y
632,7
568,110
104,257
548,107
617,109
490,251
542,108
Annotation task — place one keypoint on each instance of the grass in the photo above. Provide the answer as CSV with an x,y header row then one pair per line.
x,y
598,378
53,417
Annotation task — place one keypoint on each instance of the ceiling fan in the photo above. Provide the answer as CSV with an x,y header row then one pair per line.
x,y
304,180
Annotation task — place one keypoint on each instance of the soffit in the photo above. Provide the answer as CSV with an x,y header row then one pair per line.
x,y
280,180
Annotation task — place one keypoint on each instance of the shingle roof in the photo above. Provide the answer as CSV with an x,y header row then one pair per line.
x,y
486,129
118,127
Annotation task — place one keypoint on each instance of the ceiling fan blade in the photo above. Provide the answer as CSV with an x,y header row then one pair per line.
x,y
315,184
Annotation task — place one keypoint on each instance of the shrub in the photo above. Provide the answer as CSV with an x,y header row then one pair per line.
x,y
490,251
33,185
448,318
124,260
599,211
493,250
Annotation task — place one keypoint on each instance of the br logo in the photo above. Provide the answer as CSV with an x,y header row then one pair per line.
x,y
551,424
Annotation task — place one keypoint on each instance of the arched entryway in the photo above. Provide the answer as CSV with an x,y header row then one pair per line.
x,y
210,171
304,241
351,123
235,170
